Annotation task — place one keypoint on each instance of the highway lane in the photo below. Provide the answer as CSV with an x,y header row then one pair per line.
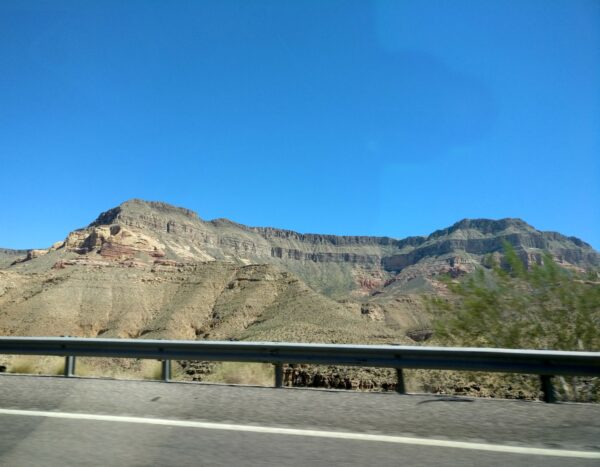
x,y
224,426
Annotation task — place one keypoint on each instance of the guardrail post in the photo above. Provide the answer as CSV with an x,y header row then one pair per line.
x,y
278,375
400,389
548,389
69,366
166,370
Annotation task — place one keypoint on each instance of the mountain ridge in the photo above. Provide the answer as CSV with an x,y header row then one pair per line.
x,y
488,224
484,225
149,269
179,234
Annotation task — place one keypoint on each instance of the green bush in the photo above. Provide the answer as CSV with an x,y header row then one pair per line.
x,y
541,307
544,306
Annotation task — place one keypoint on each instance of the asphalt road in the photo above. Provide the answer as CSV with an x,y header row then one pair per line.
x,y
58,421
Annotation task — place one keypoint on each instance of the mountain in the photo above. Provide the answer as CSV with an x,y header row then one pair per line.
x,y
7,256
149,269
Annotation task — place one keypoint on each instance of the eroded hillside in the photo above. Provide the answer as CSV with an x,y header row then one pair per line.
x,y
148,269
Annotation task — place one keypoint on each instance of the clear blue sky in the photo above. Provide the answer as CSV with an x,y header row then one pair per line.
x,y
387,118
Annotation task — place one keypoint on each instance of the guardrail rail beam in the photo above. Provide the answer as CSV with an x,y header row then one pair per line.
x,y
535,362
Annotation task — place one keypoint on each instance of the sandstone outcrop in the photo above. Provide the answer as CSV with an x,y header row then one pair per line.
x,y
334,265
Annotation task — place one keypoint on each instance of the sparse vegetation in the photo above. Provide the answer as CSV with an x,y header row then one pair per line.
x,y
258,374
151,369
541,307
514,306
120,368
23,365
35,365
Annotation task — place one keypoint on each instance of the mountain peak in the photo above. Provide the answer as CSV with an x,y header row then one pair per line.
x,y
136,207
486,226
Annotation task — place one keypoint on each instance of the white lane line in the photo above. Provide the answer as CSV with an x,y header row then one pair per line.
x,y
312,433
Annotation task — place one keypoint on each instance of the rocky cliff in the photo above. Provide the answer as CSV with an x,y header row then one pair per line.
x,y
152,269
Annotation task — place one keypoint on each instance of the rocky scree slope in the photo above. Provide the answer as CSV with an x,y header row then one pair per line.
x,y
7,256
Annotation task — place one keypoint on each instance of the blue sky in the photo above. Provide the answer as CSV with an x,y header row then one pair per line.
x,y
387,118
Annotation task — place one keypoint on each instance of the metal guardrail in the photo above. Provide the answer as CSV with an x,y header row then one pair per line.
x,y
545,363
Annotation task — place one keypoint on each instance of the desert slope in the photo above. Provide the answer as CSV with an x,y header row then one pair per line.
x,y
148,269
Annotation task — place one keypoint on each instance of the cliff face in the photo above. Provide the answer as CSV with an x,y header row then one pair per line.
x,y
146,232
151,269
350,261
564,249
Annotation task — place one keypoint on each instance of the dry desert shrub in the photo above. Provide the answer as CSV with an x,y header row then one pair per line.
x,y
256,374
151,369
36,365
118,368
